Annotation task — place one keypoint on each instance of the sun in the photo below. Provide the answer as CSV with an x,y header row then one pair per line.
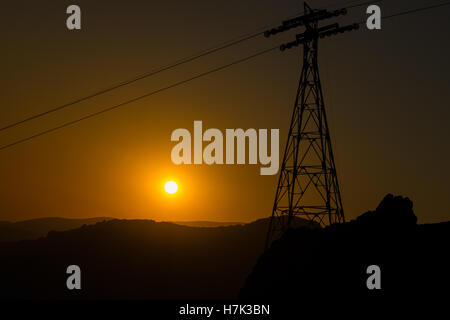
x,y
171,187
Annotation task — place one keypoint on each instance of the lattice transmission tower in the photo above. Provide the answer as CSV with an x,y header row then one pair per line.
x,y
308,185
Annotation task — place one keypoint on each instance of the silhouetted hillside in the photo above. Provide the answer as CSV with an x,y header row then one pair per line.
x,y
134,259
36,228
143,259
332,262
208,224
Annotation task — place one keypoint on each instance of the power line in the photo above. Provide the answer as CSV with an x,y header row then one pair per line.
x,y
418,9
177,63
138,98
413,11
140,77
182,82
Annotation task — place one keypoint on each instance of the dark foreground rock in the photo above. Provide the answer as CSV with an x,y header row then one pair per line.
x,y
333,261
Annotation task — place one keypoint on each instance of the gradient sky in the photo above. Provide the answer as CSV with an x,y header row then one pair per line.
x,y
386,92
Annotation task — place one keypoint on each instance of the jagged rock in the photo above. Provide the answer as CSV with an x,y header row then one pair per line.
x,y
392,212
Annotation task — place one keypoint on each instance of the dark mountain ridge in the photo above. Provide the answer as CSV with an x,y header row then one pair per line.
x,y
134,259
36,228
144,259
333,261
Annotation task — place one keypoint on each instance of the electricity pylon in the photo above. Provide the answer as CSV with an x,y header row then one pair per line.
x,y
308,185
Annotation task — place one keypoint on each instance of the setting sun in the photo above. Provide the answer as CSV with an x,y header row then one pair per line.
x,y
171,187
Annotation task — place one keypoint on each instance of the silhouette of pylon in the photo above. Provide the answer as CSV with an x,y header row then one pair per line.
x,y
308,185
